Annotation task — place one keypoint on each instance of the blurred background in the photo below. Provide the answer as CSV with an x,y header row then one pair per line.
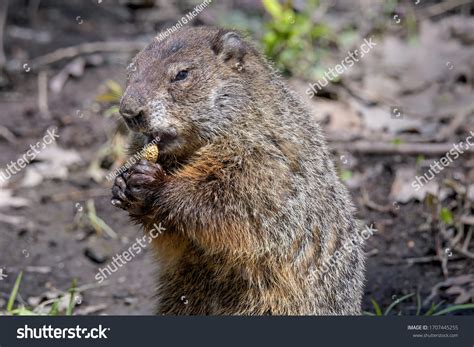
x,y
388,116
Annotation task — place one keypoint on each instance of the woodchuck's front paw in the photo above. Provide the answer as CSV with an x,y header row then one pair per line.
x,y
133,190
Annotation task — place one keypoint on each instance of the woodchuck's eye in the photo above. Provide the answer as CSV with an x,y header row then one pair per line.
x,y
181,75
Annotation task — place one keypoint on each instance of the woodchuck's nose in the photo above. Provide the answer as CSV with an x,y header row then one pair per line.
x,y
132,113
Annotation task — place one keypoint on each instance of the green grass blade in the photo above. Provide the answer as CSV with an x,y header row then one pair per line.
x,y
14,292
396,302
453,309
433,308
378,311
418,303
54,309
72,292
22,311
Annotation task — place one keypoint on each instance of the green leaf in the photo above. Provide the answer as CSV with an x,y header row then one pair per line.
x,y
346,175
22,311
111,111
378,311
107,97
54,309
397,141
420,159
320,31
14,292
113,94
274,8
446,216
114,87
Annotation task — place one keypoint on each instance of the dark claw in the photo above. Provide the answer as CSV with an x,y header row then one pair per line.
x,y
117,203
120,181
117,192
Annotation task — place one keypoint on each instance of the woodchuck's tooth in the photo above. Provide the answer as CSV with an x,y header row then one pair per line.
x,y
151,153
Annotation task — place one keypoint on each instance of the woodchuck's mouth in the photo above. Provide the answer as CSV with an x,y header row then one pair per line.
x,y
162,139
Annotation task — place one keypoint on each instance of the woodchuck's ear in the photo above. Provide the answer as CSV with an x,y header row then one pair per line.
x,y
229,46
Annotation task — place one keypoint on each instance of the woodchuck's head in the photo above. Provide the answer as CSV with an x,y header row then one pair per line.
x,y
189,87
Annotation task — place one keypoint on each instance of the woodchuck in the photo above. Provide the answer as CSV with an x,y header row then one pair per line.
x,y
244,187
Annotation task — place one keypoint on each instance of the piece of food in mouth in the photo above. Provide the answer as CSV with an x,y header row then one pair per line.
x,y
151,153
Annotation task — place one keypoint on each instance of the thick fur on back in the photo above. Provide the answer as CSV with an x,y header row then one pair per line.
x,y
252,205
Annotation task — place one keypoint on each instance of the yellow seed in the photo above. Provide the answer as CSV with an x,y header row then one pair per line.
x,y
151,153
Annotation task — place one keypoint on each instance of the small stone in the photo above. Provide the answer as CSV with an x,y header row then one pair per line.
x,y
130,301
96,250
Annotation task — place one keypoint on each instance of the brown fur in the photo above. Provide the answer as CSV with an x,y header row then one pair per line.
x,y
244,186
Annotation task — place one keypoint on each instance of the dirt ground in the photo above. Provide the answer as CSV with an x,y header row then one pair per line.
x,y
39,229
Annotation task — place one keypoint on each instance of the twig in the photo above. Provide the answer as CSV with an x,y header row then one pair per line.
x,y
372,252
78,195
454,242
467,220
467,240
421,260
3,17
442,7
466,253
447,283
43,94
86,48
418,260
442,256
367,147
33,7
372,204
7,134
98,223
13,220
458,120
